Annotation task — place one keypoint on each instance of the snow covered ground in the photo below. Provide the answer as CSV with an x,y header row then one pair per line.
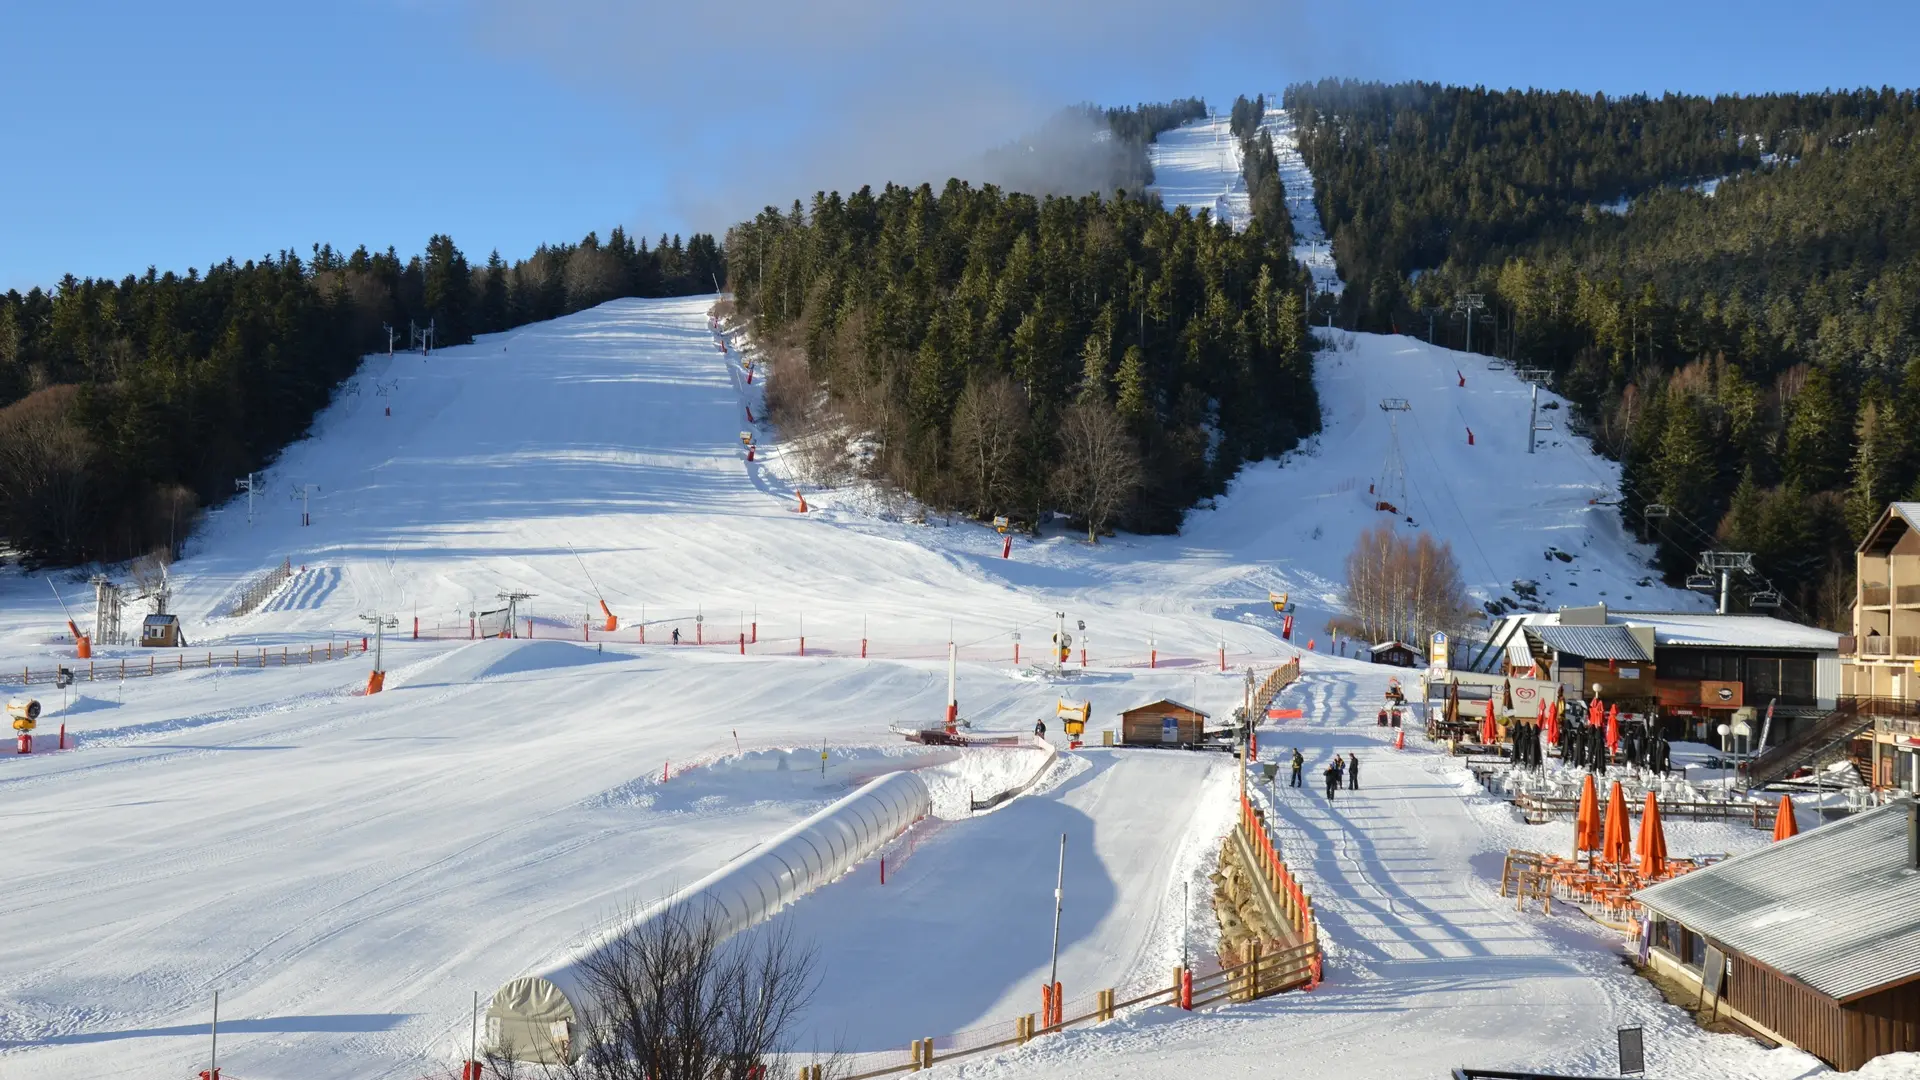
x,y
1197,165
349,870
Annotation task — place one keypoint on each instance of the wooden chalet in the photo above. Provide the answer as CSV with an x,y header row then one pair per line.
x,y
1880,660
161,632
1813,942
1394,654
1162,723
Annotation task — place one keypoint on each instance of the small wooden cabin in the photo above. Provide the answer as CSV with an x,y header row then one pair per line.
x,y
1162,723
1395,654
161,632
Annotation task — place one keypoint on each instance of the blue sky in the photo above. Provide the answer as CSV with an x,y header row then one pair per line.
x,y
176,135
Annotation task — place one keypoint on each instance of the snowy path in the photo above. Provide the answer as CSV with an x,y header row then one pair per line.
x,y
962,947
1310,244
1197,165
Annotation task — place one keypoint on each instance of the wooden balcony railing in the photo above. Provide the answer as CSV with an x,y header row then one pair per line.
x,y
1873,595
1907,594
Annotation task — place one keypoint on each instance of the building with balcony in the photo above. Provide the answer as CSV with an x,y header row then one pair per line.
x,y
1880,659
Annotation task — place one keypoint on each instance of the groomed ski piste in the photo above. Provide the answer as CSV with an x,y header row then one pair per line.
x,y
348,870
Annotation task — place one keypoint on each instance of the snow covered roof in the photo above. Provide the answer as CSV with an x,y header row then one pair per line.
x,y
1837,907
1742,631
1202,713
1612,642
1385,645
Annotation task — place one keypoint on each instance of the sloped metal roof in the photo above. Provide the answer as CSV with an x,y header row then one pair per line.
x,y
1519,654
1592,642
1837,907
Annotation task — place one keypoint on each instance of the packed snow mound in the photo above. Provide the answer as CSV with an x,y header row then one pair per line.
x,y
495,659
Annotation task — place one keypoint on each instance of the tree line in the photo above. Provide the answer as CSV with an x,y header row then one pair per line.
x,y
127,405
999,354
1727,288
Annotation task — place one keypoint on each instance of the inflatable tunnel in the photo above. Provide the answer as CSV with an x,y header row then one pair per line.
x,y
534,1017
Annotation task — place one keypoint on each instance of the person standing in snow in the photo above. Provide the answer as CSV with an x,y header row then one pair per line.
x,y
1339,769
1040,728
1333,779
676,635
1297,762
1353,772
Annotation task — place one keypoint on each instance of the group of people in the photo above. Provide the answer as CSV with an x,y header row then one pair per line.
x,y
1584,746
1339,772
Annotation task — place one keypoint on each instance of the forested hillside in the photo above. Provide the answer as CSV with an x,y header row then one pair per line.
x,y
994,353
125,406
1750,349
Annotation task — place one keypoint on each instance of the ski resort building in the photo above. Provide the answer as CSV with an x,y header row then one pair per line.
x,y
1165,722
1695,668
1880,659
1813,941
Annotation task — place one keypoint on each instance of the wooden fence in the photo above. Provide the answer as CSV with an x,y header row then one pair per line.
x,y
1291,904
161,662
1262,975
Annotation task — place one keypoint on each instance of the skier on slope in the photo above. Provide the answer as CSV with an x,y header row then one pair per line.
x,y
676,635
1333,779
1353,771
1339,770
1298,761
1040,728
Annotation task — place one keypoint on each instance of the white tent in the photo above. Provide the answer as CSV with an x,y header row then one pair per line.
x,y
533,1017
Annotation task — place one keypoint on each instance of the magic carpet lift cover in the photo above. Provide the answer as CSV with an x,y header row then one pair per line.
x,y
534,1017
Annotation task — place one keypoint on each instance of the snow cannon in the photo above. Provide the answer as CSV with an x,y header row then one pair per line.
x,y
539,1016
1073,720
25,714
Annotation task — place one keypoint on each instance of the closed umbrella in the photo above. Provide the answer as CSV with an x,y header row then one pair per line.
x,y
1613,729
1653,841
1784,824
1489,731
1616,846
1550,725
1586,820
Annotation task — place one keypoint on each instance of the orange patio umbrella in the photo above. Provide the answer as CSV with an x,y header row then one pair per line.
x,y
1489,730
1616,846
1613,729
1586,821
1652,847
1784,824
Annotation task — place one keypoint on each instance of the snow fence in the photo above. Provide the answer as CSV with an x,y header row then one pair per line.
x,y
534,1017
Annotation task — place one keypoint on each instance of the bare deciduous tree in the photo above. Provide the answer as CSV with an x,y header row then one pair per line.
x,y
674,1000
1099,467
1401,589
45,489
989,428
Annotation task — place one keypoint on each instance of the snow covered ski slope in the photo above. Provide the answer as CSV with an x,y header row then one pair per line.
x,y
348,869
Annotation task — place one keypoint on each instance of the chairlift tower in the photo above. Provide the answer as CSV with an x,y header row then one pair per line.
x,y
246,485
513,609
302,492
1469,306
106,611
1390,490
1535,425
385,389
1714,573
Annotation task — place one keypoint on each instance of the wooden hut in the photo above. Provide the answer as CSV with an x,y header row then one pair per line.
x,y
1813,941
161,632
1162,723
1394,653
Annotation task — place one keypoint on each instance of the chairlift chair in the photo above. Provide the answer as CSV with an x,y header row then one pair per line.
x,y
1765,598
1657,510
1702,583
